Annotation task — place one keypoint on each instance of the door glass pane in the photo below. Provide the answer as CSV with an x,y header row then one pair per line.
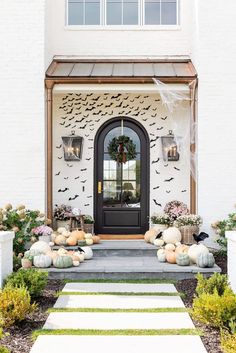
x,y
114,12
75,12
152,12
130,194
111,194
130,12
168,12
92,12
117,131
112,170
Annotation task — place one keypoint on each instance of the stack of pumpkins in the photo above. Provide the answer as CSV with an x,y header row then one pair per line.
x,y
42,256
172,251
63,237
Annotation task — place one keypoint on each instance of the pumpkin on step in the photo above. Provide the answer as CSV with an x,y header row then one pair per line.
x,y
205,260
182,259
161,255
149,234
88,236
62,252
80,256
63,262
71,241
78,234
60,240
182,248
88,252
42,261
170,247
89,241
172,235
158,242
82,243
41,246
195,250
170,257
52,254
96,239
75,263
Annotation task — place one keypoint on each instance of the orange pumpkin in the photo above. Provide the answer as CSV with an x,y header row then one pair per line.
x,y
60,240
96,239
52,254
181,249
171,257
71,241
78,234
150,234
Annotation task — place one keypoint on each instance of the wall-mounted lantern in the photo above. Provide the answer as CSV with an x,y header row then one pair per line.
x,y
169,148
72,146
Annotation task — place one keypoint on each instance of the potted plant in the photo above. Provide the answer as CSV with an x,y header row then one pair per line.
x,y
43,233
27,261
175,209
62,215
160,221
88,224
188,225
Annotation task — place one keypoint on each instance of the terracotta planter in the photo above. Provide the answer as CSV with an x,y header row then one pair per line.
x,y
26,263
64,224
187,234
89,228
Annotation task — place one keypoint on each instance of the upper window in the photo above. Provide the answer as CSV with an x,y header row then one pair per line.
x,y
122,12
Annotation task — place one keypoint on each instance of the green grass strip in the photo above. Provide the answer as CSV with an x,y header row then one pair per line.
x,y
167,294
103,310
162,332
137,281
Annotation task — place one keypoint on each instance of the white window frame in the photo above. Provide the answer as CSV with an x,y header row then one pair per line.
x,y
140,26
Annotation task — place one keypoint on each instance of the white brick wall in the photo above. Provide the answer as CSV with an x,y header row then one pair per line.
x,y
22,135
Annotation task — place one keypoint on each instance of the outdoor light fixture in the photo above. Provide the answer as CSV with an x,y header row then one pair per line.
x,y
72,146
169,148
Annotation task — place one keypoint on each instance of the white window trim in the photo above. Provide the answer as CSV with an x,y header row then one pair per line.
x,y
141,26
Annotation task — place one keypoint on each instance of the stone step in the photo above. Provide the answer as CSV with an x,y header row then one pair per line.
x,y
118,301
118,321
119,288
118,344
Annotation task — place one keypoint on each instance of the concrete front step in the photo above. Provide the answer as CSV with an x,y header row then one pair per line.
x,y
118,344
119,288
118,301
118,321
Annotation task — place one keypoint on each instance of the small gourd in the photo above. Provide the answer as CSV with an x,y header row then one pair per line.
x,y
170,257
80,234
71,241
62,252
66,234
75,263
172,235
182,248
82,243
170,247
51,244
41,246
195,250
159,242
26,263
89,241
60,230
88,236
74,257
96,239
205,260
42,261
80,256
161,255
182,259
52,254
60,240
88,252
150,233
63,262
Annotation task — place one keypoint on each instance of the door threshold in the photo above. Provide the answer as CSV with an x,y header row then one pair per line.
x,y
121,236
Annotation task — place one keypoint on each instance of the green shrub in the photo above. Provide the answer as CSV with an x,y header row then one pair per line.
x,y
214,309
32,279
4,349
228,342
216,282
14,305
221,227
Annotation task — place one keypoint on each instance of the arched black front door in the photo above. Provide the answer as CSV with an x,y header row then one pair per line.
x,y
121,189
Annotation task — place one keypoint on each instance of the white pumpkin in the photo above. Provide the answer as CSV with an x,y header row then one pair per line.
x,y
66,234
75,263
80,255
195,250
60,230
89,241
41,246
62,252
42,261
88,252
88,236
159,242
172,235
161,255
170,247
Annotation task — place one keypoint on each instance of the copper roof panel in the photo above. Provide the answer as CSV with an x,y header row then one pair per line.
x,y
82,69
102,69
143,69
123,69
62,69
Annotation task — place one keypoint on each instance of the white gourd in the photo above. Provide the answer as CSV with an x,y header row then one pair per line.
x,y
170,247
159,242
172,235
195,250
80,255
89,241
88,236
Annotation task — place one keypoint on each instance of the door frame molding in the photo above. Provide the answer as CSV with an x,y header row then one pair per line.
x,y
101,128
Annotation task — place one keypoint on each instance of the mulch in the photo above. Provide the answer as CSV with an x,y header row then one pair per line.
x,y
18,338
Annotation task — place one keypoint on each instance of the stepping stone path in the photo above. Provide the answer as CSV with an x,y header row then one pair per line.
x,y
109,296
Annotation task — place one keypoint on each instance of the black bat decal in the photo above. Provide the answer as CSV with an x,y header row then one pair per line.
x,y
86,135
157,172
73,126
62,123
68,125
152,124
83,127
87,204
168,191
99,112
164,118
147,108
160,128
154,140
176,168
156,203
108,105
66,178
117,96
143,118
137,114
168,180
137,97
63,190
154,109
88,159
166,165
100,105
70,105
57,173
64,117
79,121
83,170
90,148
69,165
156,187
83,181
65,98
76,177
157,100
156,161
59,157
141,102
73,117
73,198
89,95
184,191
96,99
132,100
70,111
153,146
89,197
154,115
88,121
59,146
125,106
90,109
97,121
85,104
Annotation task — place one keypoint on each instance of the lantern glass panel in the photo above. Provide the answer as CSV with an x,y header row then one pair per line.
x,y
169,148
72,148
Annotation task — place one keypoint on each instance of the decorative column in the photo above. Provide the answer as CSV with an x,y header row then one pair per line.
x,y
231,237
6,255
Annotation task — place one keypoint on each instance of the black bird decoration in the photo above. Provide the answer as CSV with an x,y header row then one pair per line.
x,y
201,237
63,190
73,198
156,203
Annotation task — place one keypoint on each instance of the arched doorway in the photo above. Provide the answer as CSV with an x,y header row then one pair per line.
x,y
121,189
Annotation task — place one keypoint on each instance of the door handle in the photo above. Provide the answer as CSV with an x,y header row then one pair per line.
x,y
99,187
